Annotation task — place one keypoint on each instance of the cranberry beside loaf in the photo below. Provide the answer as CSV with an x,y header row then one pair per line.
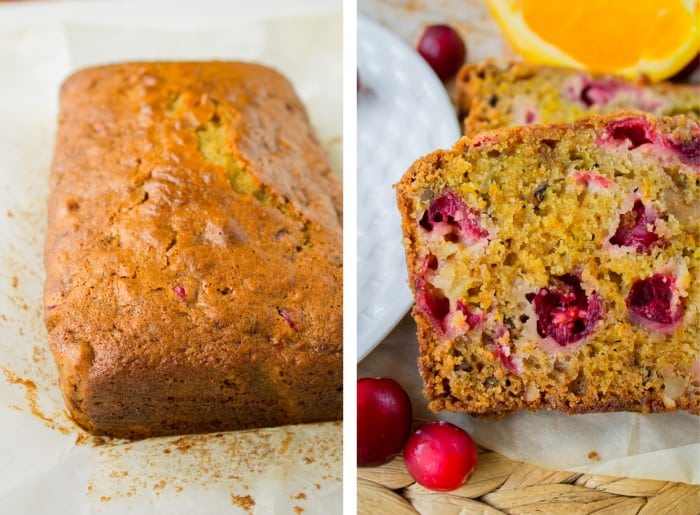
x,y
193,253
494,94
556,267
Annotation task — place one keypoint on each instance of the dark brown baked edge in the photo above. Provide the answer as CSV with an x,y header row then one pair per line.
x,y
652,402
163,402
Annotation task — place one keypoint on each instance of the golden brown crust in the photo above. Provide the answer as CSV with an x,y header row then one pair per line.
x,y
495,94
621,365
193,255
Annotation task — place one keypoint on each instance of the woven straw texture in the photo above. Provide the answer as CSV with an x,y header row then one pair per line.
x,y
500,485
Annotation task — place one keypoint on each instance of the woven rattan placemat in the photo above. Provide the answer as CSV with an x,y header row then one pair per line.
x,y
501,485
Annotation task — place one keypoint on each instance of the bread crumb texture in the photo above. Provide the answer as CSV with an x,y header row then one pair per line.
x,y
496,94
556,267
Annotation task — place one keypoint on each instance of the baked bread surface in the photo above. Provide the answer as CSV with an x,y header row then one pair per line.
x,y
495,94
556,267
193,253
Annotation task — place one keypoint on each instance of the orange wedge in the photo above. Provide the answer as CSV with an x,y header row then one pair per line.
x,y
655,38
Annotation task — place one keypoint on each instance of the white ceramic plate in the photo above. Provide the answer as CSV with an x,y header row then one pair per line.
x,y
403,112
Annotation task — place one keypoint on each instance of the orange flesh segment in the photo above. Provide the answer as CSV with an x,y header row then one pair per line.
x,y
610,34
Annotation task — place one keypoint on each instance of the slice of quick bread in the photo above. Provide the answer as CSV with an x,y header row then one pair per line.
x,y
493,94
556,267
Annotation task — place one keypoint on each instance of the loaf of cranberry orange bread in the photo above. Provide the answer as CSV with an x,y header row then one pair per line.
x,y
496,94
193,253
556,267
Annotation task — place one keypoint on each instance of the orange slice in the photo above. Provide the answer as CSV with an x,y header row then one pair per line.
x,y
630,38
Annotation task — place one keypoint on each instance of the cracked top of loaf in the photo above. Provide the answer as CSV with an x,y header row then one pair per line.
x,y
193,218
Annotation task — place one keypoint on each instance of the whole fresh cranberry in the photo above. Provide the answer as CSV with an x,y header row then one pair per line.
x,y
383,420
443,49
440,456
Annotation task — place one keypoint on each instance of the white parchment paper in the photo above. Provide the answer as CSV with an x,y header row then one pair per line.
x,y
656,446
47,464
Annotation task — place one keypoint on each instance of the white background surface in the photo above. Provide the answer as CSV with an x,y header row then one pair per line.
x,y
42,469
